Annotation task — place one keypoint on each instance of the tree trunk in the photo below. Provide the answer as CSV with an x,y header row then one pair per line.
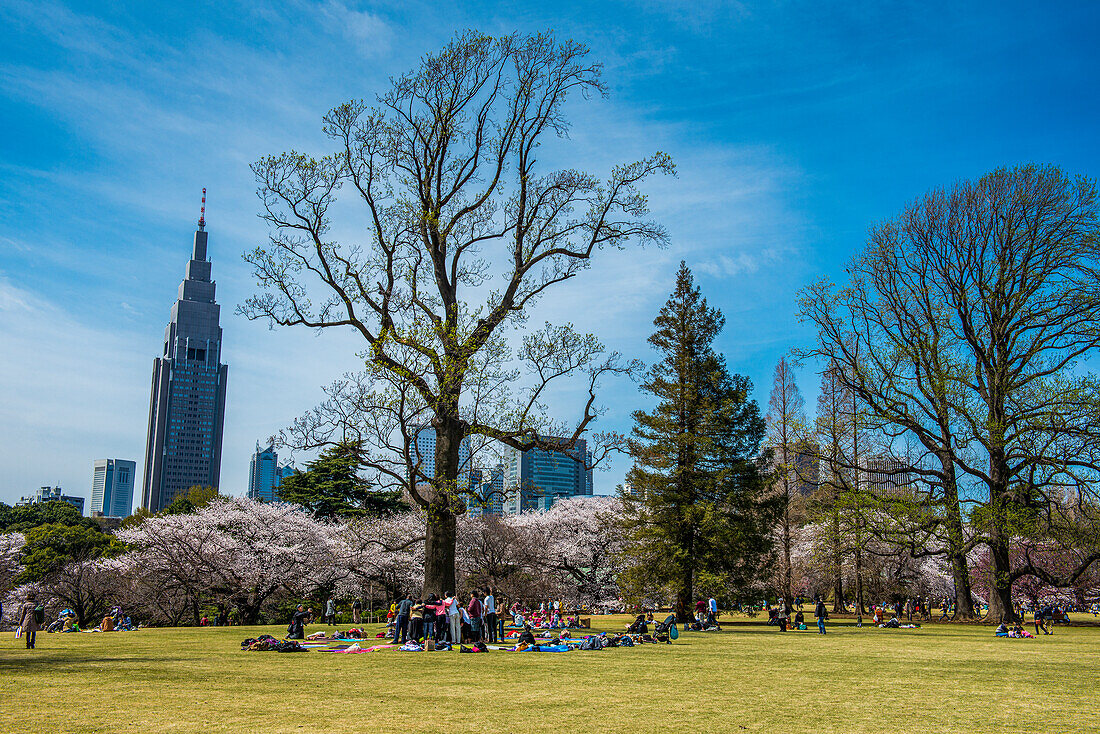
x,y
441,532
860,607
439,549
1001,502
1000,587
788,582
956,545
838,566
249,609
684,594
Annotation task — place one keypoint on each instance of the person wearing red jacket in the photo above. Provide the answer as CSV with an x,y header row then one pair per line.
x,y
476,611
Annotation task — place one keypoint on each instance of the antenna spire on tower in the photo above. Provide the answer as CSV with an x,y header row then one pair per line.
x,y
202,213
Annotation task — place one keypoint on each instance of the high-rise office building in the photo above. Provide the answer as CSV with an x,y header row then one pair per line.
x,y
265,474
187,402
888,476
536,479
113,487
51,494
423,454
486,491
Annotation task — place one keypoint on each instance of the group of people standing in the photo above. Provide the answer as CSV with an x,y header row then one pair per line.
x,y
781,616
446,619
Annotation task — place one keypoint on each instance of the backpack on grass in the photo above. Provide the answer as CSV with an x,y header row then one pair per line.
x,y
591,643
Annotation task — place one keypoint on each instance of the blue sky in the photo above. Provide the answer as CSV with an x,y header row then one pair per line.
x,y
794,126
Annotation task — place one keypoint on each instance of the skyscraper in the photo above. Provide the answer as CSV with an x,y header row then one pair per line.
x,y
536,479
187,404
424,455
486,491
265,474
113,487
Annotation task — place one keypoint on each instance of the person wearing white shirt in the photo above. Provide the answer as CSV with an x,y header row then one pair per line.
x,y
454,618
490,604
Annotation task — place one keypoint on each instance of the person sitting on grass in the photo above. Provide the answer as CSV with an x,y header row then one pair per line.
x,y
527,635
638,626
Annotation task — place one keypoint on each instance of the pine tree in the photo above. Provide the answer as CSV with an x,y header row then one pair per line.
x,y
331,487
697,510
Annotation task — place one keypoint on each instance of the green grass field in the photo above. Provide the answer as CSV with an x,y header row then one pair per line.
x,y
748,678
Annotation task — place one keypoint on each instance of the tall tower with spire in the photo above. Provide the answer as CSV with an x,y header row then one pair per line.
x,y
187,403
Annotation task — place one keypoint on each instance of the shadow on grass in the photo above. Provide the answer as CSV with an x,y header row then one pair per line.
x,y
60,662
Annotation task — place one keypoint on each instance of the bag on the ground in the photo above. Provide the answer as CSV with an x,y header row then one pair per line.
x,y
591,643
289,646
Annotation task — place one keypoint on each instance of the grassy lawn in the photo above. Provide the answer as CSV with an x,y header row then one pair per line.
x,y
749,677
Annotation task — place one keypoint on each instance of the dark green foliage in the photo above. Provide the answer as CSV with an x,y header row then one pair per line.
x,y
331,487
699,510
50,547
195,498
24,517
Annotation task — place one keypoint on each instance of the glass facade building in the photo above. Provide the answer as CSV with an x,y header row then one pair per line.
x,y
486,491
113,487
423,455
536,479
265,474
187,400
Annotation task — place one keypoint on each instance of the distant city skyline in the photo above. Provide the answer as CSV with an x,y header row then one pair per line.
x,y
793,127
52,494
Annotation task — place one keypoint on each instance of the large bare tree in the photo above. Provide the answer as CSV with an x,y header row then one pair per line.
x,y
459,232
974,312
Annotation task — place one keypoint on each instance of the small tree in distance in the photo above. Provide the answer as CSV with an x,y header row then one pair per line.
x,y
786,427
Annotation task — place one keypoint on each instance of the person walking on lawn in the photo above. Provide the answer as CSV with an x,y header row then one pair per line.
x,y
822,614
30,619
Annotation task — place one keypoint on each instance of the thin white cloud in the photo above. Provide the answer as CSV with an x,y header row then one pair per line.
x,y
371,35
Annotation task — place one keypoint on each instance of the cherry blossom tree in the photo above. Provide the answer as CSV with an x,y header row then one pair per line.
x,y
238,551
11,550
577,544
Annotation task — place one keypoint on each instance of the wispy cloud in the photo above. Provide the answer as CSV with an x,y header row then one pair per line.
x,y
371,35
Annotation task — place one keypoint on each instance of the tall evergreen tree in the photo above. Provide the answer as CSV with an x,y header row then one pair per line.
x,y
698,508
331,487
